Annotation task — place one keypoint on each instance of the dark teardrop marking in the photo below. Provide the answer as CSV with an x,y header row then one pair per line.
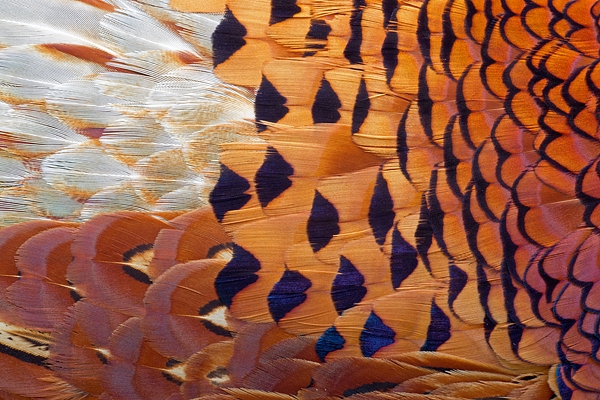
x,y
318,32
326,104
483,288
381,210
458,281
227,38
322,223
436,214
438,331
389,8
287,294
330,341
73,292
515,332
423,33
347,288
229,193
389,54
282,10
424,233
352,50
375,335
272,178
239,273
361,107
135,273
319,29
425,103
101,357
403,260
269,105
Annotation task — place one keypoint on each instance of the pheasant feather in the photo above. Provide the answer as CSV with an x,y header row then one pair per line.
x,y
299,199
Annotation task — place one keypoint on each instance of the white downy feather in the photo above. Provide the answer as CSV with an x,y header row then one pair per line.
x,y
133,30
51,21
32,132
195,28
84,170
80,103
29,72
135,124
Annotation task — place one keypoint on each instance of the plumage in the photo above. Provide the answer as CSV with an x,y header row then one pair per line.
x,y
299,199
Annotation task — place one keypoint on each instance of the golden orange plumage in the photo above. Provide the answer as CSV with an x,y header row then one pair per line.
x,y
299,199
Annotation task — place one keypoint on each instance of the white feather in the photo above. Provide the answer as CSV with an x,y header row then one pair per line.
x,y
139,129
12,170
195,28
33,132
51,21
195,99
131,29
133,139
28,73
122,198
81,99
83,171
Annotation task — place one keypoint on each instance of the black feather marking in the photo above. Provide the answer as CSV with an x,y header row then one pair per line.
x,y
135,273
381,210
272,178
347,288
389,53
207,309
424,233
458,281
326,104
330,340
370,387
389,8
361,107
282,10
352,50
375,335
269,105
239,273
322,224
229,193
438,331
403,260
287,294
227,38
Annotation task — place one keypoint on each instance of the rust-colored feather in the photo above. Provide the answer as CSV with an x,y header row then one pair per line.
x,y
299,199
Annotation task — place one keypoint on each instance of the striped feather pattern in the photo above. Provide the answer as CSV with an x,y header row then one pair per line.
x,y
299,199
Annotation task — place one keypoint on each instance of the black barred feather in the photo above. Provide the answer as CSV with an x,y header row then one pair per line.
x,y
299,199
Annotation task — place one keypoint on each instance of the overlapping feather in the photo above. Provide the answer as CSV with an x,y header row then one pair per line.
x,y
405,199
110,106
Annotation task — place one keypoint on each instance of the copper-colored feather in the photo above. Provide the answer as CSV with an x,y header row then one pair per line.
x,y
299,199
